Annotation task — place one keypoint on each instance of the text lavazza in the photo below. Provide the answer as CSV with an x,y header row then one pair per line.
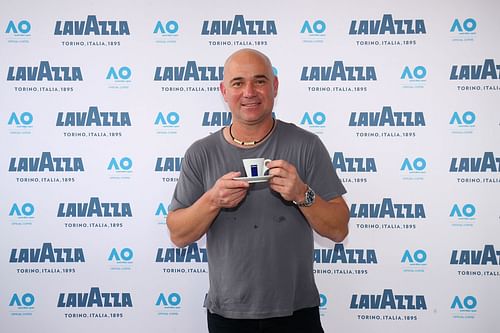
x,y
93,118
346,256
189,72
91,26
239,26
338,72
476,257
476,164
387,209
94,298
94,208
387,117
387,26
46,163
46,253
388,301
44,72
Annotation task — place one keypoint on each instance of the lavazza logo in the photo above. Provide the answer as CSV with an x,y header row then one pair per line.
x,y
353,169
338,77
94,214
388,306
46,259
91,32
477,263
346,261
190,78
387,31
471,78
94,304
169,167
93,123
387,215
188,260
44,78
386,123
480,169
239,32
46,168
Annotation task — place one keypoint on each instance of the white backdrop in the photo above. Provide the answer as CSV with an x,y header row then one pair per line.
x,y
99,101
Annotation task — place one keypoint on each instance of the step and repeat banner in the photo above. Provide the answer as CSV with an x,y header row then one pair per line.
x,y
99,100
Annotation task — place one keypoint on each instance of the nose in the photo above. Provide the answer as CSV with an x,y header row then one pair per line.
x,y
249,90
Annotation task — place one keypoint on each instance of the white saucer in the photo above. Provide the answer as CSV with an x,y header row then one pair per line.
x,y
258,179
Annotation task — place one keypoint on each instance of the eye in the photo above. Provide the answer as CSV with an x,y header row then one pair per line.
x,y
236,84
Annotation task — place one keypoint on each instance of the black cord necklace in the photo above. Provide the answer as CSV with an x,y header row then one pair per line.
x,y
250,143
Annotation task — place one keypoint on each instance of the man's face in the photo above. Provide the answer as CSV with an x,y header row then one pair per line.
x,y
249,87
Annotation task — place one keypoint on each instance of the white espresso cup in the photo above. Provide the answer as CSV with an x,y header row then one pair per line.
x,y
256,167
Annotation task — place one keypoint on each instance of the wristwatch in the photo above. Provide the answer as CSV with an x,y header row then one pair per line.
x,y
308,198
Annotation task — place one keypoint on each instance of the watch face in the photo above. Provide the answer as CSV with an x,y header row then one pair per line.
x,y
310,196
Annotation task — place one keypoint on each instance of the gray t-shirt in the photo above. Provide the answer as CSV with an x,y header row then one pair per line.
x,y
260,254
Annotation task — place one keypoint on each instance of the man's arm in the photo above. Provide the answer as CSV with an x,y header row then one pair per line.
x,y
327,218
187,225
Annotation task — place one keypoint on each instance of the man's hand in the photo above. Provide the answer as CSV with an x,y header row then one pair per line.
x,y
227,192
286,180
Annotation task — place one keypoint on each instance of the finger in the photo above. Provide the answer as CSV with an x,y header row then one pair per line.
x,y
231,175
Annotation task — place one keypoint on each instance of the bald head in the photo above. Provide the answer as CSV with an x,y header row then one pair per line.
x,y
248,56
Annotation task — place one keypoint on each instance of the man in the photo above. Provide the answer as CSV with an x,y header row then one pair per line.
x,y
259,235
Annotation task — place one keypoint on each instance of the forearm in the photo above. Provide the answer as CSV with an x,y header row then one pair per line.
x,y
187,225
328,218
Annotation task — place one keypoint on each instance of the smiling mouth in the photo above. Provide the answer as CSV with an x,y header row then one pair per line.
x,y
249,105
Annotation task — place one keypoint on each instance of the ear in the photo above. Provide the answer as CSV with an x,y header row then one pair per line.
x,y
223,90
275,85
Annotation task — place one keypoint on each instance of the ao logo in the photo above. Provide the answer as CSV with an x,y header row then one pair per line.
x,y
469,302
467,118
25,118
171,27
317,118
322,300
124,164
418,72
469,25
418,164
126,254
27,299
26,210
23,27
468,210
318,26
171,118
161,210
419,256
124,73
173,299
